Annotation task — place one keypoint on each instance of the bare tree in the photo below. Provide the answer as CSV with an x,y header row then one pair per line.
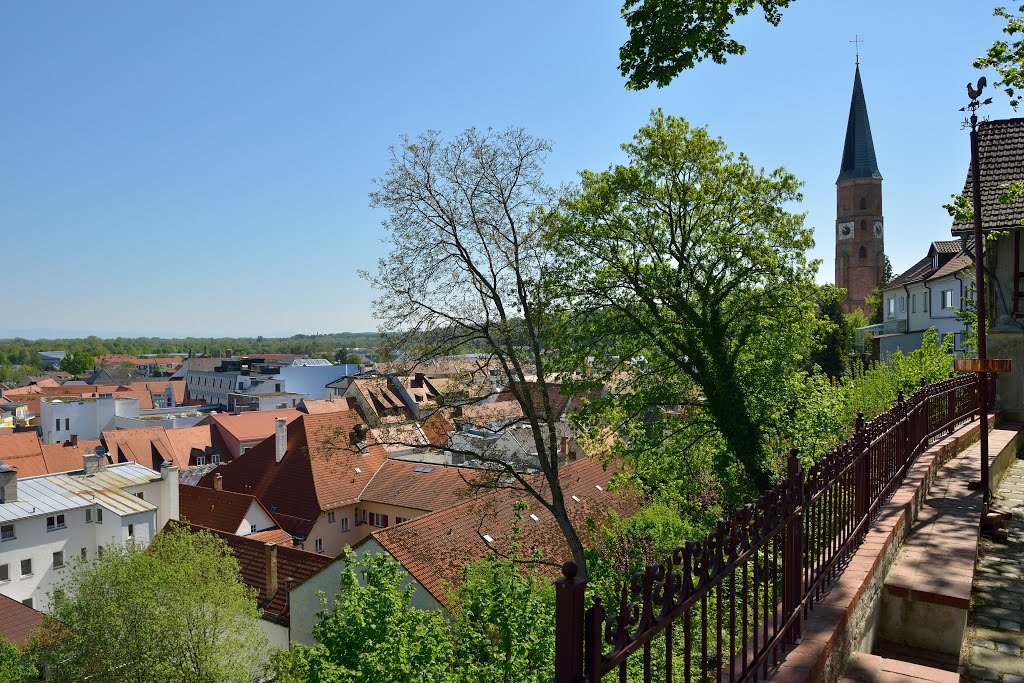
x,y
465,273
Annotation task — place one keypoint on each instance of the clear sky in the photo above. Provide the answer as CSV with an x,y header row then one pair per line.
x,y
202,168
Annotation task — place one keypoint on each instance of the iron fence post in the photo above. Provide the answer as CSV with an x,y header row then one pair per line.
x,y
862,486
792,555
569,601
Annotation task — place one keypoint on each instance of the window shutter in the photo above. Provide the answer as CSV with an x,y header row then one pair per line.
x,y
385,520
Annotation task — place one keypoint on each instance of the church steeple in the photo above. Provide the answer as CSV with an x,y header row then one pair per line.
x,y
860,240
859,151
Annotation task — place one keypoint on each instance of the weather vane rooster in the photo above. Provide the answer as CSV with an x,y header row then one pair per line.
x,y
975,93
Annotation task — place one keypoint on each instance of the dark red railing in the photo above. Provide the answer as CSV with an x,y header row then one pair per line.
x,y
727,608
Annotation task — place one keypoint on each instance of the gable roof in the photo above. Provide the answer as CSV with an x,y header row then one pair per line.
x,y
1001,157
30,457
249,425
151,446
253,557
213,509
923,270
17,621
419,486
63,457
434,548
859,149
321,469
318,406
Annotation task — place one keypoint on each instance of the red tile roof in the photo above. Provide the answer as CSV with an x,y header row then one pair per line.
x,y
321,469
21,450
160,387
434,548
419,486
278,536
213,509
324,405
437,428
61,457
17,621
257,424
252,555
151,446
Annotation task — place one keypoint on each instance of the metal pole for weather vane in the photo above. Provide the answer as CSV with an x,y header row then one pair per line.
x,y
979,280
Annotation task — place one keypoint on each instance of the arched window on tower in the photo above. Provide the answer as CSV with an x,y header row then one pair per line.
x,y
863,252
863,225
863,204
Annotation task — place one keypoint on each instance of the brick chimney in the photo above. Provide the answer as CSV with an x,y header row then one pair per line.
x,y
218,482
270,556
8,484
280,438
74,440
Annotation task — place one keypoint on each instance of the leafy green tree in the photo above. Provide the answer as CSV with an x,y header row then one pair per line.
x,y
175,612
77,363
667,37
685,258
372,632
503,624
14,667
833,342
1006,55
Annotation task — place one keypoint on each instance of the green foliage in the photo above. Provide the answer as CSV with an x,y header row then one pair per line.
x,y
833,339
176,612
77,363
1006,56
504,626
667,37
15,667
686,257
968,315
372,633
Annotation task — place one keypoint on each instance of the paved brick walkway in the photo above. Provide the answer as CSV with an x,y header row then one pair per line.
x,y
995,630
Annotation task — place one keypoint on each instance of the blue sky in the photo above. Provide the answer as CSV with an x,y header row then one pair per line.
x,y
198,168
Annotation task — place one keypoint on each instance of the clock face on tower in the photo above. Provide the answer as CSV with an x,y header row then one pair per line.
x,y
878,228
845,230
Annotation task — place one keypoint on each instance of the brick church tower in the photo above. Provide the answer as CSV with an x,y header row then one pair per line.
x,y
860,246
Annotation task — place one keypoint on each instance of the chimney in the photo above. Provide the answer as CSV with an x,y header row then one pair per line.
x,y
92,463
270,554
74,440
218,482
8,484
168,487
280,437
230,353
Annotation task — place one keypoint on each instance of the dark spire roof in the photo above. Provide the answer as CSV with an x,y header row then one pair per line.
x,y
859,150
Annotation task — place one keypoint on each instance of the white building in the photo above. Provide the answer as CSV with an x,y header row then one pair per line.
x,y
87,418
48,520
928,294
312,380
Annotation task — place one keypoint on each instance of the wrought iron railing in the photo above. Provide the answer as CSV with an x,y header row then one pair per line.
x,y
727,608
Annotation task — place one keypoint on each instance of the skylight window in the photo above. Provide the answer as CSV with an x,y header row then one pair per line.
x,y
424,469
598,487
534,517
358,471
488,538
576,498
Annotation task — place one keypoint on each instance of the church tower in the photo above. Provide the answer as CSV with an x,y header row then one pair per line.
x,y
860,246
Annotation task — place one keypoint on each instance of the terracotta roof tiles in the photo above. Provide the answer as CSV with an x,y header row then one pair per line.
x,y
17,621
213,509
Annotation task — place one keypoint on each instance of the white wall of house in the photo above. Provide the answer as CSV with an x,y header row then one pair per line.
x,y
313,380
85,417
256,519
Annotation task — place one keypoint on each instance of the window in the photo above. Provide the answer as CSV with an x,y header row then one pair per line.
x,y
913,303
200,460
252,528
26,567
140,496
131,531
924,302
84,553
58,559
88,515
863,203
863,226
344,523
67,423
399,520
215,459
5,572
58,424
27,602
99,515
55,522
330,517
947,298
319,545
892,306
863,253
99,551
378,520
6,532
903,304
